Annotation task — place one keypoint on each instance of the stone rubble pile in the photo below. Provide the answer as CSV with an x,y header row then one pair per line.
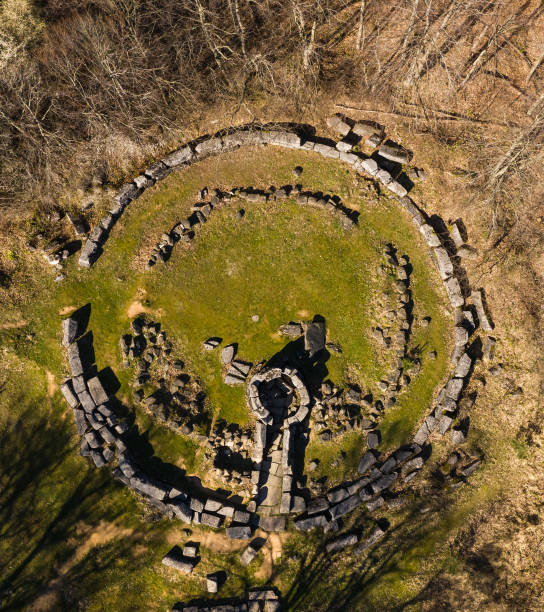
x,y
458,467
103,439
177,400
378,477
184,560
259,599
231,448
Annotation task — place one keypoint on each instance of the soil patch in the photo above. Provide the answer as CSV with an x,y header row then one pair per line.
x,y
51,383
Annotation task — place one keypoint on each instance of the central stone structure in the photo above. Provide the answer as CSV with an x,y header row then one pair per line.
x,y
280,400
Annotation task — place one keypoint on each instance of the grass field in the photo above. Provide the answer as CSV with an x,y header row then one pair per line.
x,y
281,262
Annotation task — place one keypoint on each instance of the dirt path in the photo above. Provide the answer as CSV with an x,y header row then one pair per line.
x,y
216,542
67,310
17,325
51,383
272,551
136,308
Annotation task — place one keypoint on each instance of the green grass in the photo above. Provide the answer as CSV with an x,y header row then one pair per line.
x,y
281,262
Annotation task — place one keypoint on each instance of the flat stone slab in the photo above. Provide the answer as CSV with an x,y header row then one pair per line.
x,y
272,523
341,543
228,353
314,337
239,532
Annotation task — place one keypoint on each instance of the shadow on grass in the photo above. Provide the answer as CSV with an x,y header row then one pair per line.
x,y
44,494
341,581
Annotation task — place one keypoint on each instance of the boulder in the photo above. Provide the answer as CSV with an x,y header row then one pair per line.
x,y
463,365
190,550
239,532
176,560
414,212
70,331
457,436
67,390
97,391
341,543
212,343
453,289
90,252
376,535
397,188
98,458
422,434
81,355
429,235
143,182
147,486
212,520
326,151
384,482
86,401
345,506
248,555
126,194
317,505
443,261
383,176
272,523
241,516
181,510
337,495
282,139
366,129
460,336
454,388
414,464
370,165
337,124
212,505
196,504
489,348
395,153
314,337
373,440
81,421
232,380
366,462
456,236
311,522
240,368
292,330
228,353
210,146
444,424
212,583
178,157
389,465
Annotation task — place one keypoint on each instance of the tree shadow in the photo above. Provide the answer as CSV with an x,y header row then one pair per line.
x,y
33,468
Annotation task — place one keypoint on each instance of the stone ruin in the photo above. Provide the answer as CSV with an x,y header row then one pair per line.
x,y
277,395
261,599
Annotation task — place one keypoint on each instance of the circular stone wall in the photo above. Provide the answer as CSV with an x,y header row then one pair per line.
x,y
278,397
